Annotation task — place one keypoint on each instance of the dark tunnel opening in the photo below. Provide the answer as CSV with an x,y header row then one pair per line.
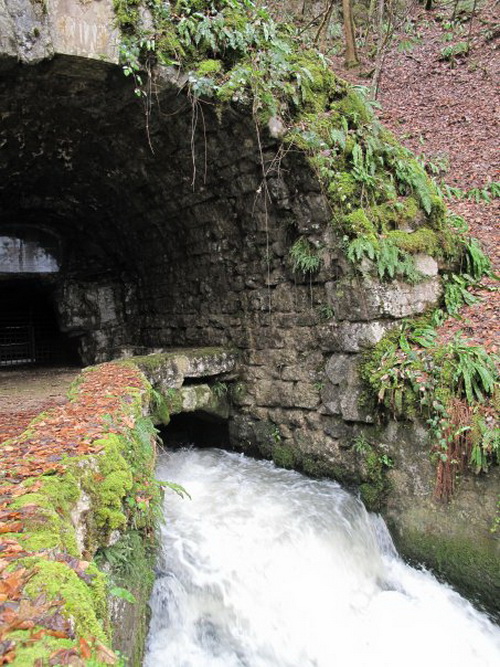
x,y
171,247
195,429
29,330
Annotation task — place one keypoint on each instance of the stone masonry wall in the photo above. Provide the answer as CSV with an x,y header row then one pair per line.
x,y
177,221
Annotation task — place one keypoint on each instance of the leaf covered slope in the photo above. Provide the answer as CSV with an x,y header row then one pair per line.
x,y
81,473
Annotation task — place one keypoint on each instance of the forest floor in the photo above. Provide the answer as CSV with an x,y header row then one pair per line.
x,y
448,112
27,391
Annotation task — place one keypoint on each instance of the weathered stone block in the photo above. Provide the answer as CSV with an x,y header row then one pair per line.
x,y
286,394
426,265
343,392
32,31
356,299
359,336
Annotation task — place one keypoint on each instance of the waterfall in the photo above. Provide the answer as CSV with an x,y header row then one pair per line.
x,y
264,567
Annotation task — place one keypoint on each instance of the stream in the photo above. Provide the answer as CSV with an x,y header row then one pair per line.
x,y
264,567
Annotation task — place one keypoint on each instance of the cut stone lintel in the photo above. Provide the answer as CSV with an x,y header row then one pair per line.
x,y
169,370
31,32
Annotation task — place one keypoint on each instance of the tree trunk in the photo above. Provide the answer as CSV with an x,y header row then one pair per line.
x,y
351,55
379,61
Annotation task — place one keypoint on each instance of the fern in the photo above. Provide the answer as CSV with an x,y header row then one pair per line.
x,y
475,374
477,263
387,259
494,188
361,247
390,261
486,444
304,256
364,166
338,137
456,294
423,335
176,488
451,52
416,180
450,192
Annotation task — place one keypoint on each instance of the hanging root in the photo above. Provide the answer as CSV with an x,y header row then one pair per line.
x,y
453,461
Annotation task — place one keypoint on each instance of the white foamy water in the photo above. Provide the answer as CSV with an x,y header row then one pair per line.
x,y
264,567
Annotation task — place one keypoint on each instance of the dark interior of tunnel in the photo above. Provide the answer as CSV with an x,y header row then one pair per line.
x,y
163,229
29,330
195,429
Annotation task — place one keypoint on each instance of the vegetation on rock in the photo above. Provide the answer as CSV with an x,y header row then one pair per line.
x,y
235,53
87,464
385,208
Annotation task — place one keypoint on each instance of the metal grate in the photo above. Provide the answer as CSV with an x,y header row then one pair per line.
x,y
30,337
17,339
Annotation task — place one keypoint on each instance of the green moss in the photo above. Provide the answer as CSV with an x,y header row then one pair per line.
x,y
173,401
318,467
50,526
354,108
438,212
209,67
124,466
284,456
159,408
343,187
29,653
376,486
473,567
318,84
109,486
358,224
392,215
127,14
46,528
423,240
84,605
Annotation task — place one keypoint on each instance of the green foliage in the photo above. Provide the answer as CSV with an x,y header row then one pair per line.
x,y
485,436
325,312
361,445
234,52
361,248
411,176
477,264
304,256
120,556
412,374
474,371
485,194
450,53
375,484
390,260
123,594
220,389
456,294
176,488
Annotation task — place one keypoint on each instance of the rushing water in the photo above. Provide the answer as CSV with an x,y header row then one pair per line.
x,y
266,568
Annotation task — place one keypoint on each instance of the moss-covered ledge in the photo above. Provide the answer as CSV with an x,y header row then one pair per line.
x,y
77,496
170,369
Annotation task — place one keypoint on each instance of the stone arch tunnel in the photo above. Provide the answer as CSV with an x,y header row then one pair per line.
x,y
169,223
160,222
163,236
